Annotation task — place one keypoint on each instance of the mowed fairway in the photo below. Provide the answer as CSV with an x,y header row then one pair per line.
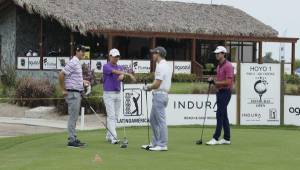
x,y
252,148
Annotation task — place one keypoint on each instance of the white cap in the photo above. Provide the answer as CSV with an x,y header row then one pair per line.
x,y
220,49
114,52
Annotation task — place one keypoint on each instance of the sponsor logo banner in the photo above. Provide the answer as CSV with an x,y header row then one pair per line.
x,y
181,110
260,94
34,63
97,65
49,63
292,110
22,63
182,67
61,62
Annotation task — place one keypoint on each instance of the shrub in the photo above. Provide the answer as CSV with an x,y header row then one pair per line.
x,y
184,78
29,92
292,79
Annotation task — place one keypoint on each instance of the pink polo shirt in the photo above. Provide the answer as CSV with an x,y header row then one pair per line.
x,y
225,71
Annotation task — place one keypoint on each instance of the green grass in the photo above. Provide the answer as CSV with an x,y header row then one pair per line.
x,y
253,148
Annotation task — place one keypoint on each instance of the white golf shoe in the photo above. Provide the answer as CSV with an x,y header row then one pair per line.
x,y
213,141
113,141
159,148
147,146
224,142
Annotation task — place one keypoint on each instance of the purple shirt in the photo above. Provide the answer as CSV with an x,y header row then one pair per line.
x,y
73,75
225,72
110,80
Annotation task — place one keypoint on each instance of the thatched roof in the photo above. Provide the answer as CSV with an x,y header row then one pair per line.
x,y
149,16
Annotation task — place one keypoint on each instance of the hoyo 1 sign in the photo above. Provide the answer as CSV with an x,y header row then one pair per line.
x,y
260,94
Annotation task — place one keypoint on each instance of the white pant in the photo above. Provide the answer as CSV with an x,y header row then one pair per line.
x,y
112,101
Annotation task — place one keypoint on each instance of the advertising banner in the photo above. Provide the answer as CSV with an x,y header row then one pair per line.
x,y
22,63
260,94
292,110
97,65
182,109
184,67
34,63
61,62
141,66
49,63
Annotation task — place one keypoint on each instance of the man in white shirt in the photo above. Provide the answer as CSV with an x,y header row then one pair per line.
x,y
160,87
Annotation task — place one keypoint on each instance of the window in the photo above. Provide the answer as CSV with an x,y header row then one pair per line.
x,y
132,48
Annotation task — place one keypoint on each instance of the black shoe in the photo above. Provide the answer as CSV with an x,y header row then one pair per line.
x,y
75,144
78,141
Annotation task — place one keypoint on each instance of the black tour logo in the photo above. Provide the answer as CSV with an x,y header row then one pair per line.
x,y
62,62
99,65
132,103
23,62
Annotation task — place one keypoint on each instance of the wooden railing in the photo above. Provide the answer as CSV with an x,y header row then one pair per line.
x,y
197,69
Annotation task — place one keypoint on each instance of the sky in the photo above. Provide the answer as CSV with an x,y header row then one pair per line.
x,y
283,16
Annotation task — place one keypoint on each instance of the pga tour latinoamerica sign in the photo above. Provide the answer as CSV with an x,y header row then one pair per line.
x,y
260,94
182,109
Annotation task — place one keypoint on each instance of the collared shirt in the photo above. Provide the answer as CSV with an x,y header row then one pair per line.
x,y
225,72
163,72
73,75
110,80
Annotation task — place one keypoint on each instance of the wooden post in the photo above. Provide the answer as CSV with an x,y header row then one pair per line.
x,y
110,42
293,59
238,93
71,44
260,57
193,57
152,45
41,44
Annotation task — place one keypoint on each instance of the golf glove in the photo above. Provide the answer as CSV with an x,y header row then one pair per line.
x,y
146,88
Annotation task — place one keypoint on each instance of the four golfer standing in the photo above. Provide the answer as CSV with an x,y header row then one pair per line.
x,y
223,82
160,87
72,85
113,74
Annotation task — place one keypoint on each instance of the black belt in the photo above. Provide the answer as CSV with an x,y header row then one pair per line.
x,y
73,90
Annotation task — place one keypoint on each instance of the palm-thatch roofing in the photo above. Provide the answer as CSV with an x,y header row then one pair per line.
x,y
149,16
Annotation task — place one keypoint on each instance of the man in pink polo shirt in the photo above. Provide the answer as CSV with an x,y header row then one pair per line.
x,y
223,82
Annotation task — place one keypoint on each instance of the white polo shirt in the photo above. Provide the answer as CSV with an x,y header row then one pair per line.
x,y
163,72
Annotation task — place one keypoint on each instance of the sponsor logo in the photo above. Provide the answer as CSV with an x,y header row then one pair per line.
x,y
190,105
36,62
49,64
295,110
273,115
179,68
132,103
252,116
99,65
62,62
23,62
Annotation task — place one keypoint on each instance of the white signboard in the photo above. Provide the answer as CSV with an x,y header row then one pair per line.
x,y
22,63
182,67
34,63
287,69
234,68
260,94
97,65
62,61
49,63
292,110
182,109
141,66
126,64
188,109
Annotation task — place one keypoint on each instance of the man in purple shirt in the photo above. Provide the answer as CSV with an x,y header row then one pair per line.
x,y
113,74
71,82
223,83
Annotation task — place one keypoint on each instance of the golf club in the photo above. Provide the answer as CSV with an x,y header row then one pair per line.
x,y
124,143
98,117
148,126
199,142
